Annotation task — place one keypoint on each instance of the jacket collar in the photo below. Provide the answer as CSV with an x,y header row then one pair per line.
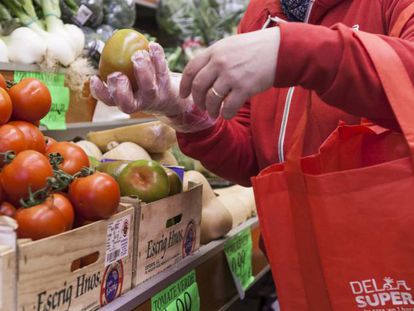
x,y
319,8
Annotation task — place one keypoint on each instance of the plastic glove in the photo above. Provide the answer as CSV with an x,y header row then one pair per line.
x,y
156,93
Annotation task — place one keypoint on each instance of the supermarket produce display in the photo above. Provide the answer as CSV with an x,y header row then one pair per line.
x,y
105,214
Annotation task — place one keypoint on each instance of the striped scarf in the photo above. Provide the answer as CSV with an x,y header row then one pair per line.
x,y
295,10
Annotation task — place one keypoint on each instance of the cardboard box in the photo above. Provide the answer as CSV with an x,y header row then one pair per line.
x,y
166,231
81,269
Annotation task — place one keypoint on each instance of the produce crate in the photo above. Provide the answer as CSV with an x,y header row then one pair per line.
x,y
166,231
77,270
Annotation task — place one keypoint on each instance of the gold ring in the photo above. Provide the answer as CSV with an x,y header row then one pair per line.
x,y
217,93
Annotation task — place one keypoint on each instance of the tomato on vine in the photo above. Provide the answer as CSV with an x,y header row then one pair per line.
x,y
12,139
74,158
62,203
31,100
34,137
40,221
6,106
28,171
95,196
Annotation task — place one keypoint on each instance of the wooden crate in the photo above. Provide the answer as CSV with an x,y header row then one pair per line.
x,y
167,230
69,271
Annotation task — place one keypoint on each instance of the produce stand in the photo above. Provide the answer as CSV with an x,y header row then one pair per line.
x,y
215,283
94,249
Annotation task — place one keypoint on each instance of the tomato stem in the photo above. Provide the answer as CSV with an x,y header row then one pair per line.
x,y
36,197
55,160
10,84
61,180
85,171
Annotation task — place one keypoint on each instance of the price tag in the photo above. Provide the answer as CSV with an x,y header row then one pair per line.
x,y
56,118
117,239
48,78
82,16
180,296
238,252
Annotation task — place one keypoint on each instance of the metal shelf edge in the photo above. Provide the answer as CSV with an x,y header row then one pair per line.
x,y
146,290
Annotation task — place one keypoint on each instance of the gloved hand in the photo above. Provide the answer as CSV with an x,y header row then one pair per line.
x,y
156,92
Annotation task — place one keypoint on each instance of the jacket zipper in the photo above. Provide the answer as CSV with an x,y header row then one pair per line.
x,y
289,96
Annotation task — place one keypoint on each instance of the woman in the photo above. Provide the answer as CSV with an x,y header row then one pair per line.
x,y
259,81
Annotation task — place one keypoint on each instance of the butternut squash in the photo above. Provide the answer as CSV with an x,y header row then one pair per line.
x,y
165,158
154,137
216,220
239,201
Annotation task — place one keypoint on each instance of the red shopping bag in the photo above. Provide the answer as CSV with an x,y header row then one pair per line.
x,y
338,226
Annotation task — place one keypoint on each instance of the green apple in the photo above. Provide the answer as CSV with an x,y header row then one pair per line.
x,y
113,168
176,185
145,179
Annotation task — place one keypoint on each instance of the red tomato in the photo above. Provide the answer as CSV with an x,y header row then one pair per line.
x,y
63,204
95,196
40,221
31,100
6,209
49,142
3,83
28,169
34,137
74,158
6,106
11,139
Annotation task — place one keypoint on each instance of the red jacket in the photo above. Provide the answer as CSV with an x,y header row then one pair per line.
x,y
324,56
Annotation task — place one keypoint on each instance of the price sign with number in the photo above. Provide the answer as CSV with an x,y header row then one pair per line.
x,y
56,118
180,296
238,252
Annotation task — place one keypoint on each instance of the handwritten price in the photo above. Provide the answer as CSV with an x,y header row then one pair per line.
x,y
182,303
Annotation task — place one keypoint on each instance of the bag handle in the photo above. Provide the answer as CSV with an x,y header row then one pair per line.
x,y
402,20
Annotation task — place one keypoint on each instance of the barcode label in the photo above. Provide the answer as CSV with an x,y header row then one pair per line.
x,y
82,16
117,239
111,257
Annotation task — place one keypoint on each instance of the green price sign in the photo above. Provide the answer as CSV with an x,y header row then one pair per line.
x,y
180,296
56,118
238,252
48,78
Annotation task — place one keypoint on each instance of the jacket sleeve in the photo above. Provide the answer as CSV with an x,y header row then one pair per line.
x,y
226,149
333,62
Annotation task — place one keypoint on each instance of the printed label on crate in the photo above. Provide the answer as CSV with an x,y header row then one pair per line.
x,y
238,252
164,249
180,296
117,239
82,16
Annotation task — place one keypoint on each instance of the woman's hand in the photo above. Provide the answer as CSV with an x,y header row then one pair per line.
x,y
230,71
156,92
